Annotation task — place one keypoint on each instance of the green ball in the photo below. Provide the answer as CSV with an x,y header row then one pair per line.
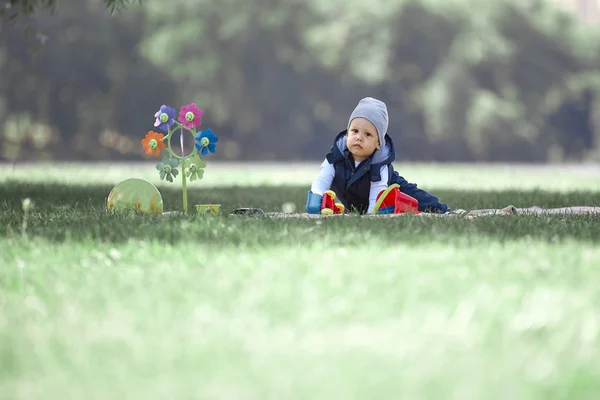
x,y
137,195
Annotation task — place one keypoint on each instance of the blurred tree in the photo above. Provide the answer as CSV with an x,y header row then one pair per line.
x,y
496,94
246,65
13,8
82,80
504,80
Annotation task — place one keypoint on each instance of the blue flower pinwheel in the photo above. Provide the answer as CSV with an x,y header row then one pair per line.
x,y
165,118
206,141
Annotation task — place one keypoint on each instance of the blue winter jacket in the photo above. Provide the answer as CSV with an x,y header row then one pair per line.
x,y
352,184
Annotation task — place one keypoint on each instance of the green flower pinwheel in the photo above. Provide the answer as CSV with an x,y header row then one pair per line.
x,y
194,167
168,168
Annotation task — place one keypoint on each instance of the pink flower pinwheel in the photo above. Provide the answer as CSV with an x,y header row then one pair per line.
x,y
190,116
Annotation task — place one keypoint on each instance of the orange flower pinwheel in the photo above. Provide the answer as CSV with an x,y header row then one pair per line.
x,y
153,143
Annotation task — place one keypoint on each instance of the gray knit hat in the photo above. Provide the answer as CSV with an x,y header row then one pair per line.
x,y
375,111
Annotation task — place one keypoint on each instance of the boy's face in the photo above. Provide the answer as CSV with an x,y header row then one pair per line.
x,y
362,139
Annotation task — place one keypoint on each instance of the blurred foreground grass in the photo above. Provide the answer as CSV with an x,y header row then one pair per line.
x,y
97,306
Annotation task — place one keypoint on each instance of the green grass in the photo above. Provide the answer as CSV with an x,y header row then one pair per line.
x,y
482,177
99,306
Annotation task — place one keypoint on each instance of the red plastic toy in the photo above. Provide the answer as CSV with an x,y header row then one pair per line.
x,y
328,204
395,202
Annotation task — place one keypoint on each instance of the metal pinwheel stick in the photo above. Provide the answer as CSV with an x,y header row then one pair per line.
x,y
192,164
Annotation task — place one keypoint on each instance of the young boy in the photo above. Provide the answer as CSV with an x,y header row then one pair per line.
x,y
359,165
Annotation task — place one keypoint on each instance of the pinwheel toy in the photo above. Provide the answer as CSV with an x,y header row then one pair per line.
x,y
187,166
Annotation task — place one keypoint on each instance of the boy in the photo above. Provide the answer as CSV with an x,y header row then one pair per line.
x,y
359,166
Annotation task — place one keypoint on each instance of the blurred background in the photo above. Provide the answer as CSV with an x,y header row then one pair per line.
x,y
464,80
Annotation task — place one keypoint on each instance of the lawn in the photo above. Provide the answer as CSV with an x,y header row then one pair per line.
x,y
99,306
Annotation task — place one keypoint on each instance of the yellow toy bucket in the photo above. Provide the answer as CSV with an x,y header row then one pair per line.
x,y
208,209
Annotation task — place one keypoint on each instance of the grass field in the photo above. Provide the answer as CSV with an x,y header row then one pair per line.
x,y
96,306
